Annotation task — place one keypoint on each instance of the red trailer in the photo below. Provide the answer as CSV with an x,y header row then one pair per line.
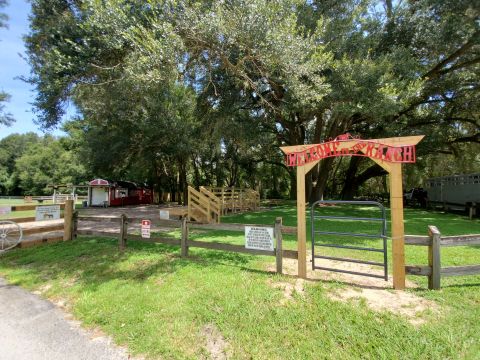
x,y
117,193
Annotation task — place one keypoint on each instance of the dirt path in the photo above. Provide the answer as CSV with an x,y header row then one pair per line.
x,y
377,294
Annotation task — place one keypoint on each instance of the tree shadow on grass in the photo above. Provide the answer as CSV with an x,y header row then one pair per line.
x,y
94,262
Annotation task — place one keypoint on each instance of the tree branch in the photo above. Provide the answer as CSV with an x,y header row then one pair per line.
x,y
437,69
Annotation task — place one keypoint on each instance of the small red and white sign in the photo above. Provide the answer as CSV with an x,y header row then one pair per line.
x,y
146,224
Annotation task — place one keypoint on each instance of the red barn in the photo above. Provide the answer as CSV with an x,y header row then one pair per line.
x,y
117,193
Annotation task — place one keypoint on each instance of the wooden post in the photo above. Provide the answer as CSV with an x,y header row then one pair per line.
x,y
68,220
75,225
301,224
122,240
224,208
184,239
434,257
472,210
398,232
189,204
209,213
279,248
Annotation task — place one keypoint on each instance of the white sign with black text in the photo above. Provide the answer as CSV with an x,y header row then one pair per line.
x,y
259,238
47,212
146,224
164,214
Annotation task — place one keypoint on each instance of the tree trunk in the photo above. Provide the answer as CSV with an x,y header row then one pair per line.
x,y
351,187
182,179
293,182
325,167
196,173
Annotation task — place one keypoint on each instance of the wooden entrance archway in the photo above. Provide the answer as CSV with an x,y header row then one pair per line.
x,y
389,153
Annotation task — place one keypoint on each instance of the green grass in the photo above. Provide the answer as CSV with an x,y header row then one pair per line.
x,y
11,202
156,303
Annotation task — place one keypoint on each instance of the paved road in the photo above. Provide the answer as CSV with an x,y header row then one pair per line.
x,y
35,329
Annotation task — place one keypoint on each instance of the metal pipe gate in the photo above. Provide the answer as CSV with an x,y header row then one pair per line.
x,y
381,235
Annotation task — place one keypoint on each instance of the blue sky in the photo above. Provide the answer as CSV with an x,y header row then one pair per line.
x,y
12,66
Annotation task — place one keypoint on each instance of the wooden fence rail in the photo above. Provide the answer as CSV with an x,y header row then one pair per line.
x,y
185,243
19,220
48,233
435,241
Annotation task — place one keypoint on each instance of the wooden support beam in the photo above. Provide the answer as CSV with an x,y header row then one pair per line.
x,y
301,224
398,232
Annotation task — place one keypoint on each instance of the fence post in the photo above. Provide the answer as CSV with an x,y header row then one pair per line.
x,y
279,249
122,240
75,225
68,220
184,240
434,257
472,210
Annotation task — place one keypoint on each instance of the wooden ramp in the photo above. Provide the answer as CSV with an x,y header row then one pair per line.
x,y
236,199
207,204
203,206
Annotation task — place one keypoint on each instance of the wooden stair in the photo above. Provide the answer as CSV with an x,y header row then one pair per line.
x,y
203,206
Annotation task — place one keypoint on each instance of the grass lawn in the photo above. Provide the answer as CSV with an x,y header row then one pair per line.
x,y
160,305
7,202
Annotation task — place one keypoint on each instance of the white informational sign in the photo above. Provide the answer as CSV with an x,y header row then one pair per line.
x,y
5,210
47,212
146,224
164,214
259,238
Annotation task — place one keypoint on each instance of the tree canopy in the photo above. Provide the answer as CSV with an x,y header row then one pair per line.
x,y
200,92
6,118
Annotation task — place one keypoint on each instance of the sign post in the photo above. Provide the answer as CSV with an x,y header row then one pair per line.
x,y
389,153
146,224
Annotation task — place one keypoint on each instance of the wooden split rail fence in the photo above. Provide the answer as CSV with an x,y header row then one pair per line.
x,y
16,208
185,243
49,233
435,241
